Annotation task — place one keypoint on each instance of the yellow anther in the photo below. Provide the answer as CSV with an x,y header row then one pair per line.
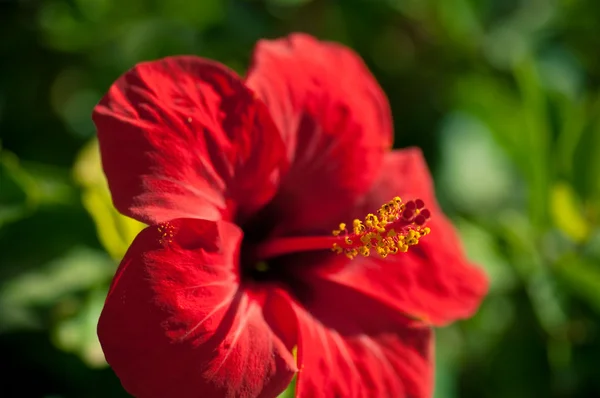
x,y
372,221
358,227
166,232
364,251
351,253
337,248
396,226
337,232
382,251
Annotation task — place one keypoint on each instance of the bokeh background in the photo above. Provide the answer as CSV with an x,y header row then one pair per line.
x,y
502,95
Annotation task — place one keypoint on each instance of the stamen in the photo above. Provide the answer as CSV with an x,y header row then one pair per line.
x,y
395,228
166,233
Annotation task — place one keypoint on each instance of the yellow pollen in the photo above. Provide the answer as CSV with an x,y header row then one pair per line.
x,y
337,232
395,228
166,233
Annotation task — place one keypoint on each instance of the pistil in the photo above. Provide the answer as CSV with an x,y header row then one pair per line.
x,y
280,246
397,226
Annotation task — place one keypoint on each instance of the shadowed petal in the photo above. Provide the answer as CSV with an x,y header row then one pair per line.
x,y
175,323
184,137
353,346
334,119
433,281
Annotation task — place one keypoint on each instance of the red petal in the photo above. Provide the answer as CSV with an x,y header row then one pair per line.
x,y
434,281
182,137
175,323
352,346
334,119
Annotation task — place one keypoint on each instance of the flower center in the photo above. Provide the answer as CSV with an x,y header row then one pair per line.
x,y
397,226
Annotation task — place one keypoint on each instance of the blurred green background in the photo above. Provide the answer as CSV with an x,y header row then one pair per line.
x,y
502,95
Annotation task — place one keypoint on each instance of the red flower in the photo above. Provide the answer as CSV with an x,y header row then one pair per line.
x,y
242,182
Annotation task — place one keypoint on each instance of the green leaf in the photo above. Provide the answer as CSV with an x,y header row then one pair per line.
x,y
530,265
567,213
198,14
574,120
497,106
475,174
536,139
21,296
446,340
18,192
115,231
291,3
481,247
290,391
77,334
585,162
582,277
26,186
519,122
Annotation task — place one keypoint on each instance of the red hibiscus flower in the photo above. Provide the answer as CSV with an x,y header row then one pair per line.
x,y
234,287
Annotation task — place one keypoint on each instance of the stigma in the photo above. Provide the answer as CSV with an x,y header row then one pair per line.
x,y
395,227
